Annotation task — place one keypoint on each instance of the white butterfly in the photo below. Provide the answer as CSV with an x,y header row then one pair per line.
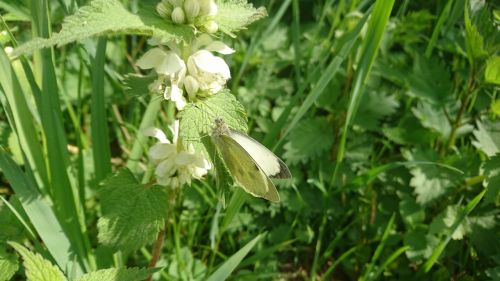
x,y
250,163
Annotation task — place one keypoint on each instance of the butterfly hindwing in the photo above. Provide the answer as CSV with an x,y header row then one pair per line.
x,y
270,164
244,169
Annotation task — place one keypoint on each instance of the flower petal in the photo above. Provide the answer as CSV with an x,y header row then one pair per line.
x,y
170,64
219,47
156,133
151,59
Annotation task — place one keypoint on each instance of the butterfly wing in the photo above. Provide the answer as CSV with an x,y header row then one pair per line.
x,y
245,171
269,163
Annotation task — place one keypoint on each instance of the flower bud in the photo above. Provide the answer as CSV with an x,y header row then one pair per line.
x,y
164,9
175,3
191,8
178,16
192,86
210,26
208,7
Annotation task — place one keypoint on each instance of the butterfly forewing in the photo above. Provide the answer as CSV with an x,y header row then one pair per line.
x,y
270,164
244,168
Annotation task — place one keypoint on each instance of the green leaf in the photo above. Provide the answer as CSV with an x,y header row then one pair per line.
x,y
235,15
373,107
115,274
197,119
433,117
223,272
487,137
420,243
492,181
430,181
310,138
408,131
109,17
412,213
132,214
8,265
138,85
430,81
37,268
441,224
492,72
474,41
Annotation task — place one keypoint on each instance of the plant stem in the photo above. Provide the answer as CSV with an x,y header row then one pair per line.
x,y
158,245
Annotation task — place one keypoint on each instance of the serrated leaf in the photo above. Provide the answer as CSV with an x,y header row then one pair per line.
x,y
411,212
442,224
487,136
492,72
432,117
430,80
421,245
115,274
408,131
235,15
197,119
309,139
373,107
138,85
8,265
474,41
109,17
37,268
430,181
132,214
492,181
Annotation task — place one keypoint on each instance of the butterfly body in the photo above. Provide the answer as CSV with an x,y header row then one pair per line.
x,y
250,163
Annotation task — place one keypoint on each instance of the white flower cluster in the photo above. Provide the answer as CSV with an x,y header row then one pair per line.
x,y
174,165
201,71
200,13
186,71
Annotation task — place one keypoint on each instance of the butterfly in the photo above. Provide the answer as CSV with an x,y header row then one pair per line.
x,y
250,163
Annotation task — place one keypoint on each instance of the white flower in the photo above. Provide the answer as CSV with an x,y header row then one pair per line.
x,y
169,66
175,165
211,72
208,8
203,71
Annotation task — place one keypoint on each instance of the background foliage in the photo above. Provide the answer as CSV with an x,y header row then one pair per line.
x,y
391,130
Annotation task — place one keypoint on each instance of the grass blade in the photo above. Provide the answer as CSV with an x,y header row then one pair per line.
x,y
223,272
41,215
440,248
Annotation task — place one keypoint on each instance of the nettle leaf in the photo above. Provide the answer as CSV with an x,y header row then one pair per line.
x,y
310,139
412,213
235,15
442,223
373,107
197,119
421,245
433,117
112,274
8,265
430,81
132,214
138,85
474,41
408,131
109,17
37,268
492,72
429,180
492,181
487,137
